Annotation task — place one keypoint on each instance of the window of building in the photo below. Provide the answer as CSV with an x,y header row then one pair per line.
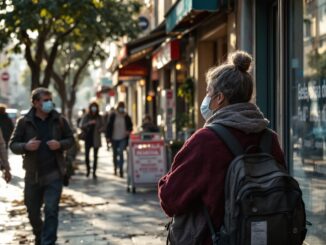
x,y
308,115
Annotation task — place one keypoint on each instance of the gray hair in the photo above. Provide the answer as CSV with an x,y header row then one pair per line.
x,y
39,92
232,78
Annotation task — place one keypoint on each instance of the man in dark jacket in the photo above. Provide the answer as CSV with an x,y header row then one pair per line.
x,y
6,125
118,130
42,136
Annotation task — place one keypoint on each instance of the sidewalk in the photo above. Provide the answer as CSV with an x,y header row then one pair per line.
x,y
91,211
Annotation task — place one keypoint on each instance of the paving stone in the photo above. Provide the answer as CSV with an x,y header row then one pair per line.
x,y
91,212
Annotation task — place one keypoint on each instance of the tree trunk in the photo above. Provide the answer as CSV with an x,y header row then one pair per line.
x,y
60,86
35,77
70,105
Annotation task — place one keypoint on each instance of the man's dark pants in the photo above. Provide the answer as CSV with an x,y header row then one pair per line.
x,y
34,196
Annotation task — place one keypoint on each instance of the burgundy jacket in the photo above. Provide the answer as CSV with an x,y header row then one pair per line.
x,y
198,173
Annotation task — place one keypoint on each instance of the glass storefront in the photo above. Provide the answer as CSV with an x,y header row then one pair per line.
x,y
308,121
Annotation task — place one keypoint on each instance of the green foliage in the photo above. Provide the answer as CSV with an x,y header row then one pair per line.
x,y
186,91
43,27
318,62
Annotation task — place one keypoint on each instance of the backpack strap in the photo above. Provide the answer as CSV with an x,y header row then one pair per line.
x,y
231,142
214,235
266,141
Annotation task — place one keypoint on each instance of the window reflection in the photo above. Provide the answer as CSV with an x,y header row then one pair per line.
x,y
309,120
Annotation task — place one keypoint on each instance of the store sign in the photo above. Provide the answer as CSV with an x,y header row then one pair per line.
x,y
168,52
106,81
184,8
133,70
148,161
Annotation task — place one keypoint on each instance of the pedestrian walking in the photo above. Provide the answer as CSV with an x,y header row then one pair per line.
x,y
41,136
148,125
4,164
81,114
92,125
6,124
197,175
117,132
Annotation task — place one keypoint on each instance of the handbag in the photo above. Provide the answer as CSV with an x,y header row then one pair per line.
x,y
187,229
81,135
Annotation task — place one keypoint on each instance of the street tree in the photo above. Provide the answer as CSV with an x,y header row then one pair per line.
x,y
69,71
42,29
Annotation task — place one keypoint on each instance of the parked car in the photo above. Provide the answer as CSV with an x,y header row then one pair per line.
x,y
24,112
13,114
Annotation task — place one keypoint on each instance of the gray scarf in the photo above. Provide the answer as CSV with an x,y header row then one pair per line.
x,y
243,116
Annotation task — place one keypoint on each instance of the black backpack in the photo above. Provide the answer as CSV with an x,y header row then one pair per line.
x,y
263,203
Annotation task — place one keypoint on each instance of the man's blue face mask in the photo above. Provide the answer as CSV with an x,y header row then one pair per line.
x,y
47,106
206,112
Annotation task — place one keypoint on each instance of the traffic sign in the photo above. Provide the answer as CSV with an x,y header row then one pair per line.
x,y
143,23
4,76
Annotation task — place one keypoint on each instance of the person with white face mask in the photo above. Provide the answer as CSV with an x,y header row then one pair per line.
x,y
197,175
42,136
117,133
92,124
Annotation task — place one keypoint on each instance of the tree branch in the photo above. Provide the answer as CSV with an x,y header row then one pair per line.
x,y
40,48
53,54
50,62
28,52
82,67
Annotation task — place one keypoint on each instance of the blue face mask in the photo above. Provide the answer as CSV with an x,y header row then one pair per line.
x,y
94,109
47,106
206,112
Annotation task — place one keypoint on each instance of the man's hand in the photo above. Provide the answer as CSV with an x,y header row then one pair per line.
x,y
92,122
32,144
7,175
54,145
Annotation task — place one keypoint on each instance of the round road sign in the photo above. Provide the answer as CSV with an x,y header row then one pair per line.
x,y
4,76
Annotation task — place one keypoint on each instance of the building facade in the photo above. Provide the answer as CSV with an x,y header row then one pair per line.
x,y
287,40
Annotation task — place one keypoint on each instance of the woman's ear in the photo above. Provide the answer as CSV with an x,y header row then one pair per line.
x,y
220,98
218,101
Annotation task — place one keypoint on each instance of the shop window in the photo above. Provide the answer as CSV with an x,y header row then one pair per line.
x,y
308,121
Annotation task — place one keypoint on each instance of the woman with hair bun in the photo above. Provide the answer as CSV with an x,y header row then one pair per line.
x,y
197,175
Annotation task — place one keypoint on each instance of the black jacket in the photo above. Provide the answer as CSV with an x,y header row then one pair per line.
x,y
110,126
7,126
25,130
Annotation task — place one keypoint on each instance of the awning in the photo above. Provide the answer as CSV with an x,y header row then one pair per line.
x,y
187,10
147,43
134,61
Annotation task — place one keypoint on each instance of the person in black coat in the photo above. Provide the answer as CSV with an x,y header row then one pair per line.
x,y
118,130
6,125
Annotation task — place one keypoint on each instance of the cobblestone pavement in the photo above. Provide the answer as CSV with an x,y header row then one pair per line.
x,y
91,211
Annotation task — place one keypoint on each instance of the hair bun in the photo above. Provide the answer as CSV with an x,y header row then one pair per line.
x,y
241,60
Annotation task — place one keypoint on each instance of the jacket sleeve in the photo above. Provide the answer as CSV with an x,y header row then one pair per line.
x,y
109,126
17,142
277,151
3,153
67,139
101,125
182,186
84,122
128,123
11,126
